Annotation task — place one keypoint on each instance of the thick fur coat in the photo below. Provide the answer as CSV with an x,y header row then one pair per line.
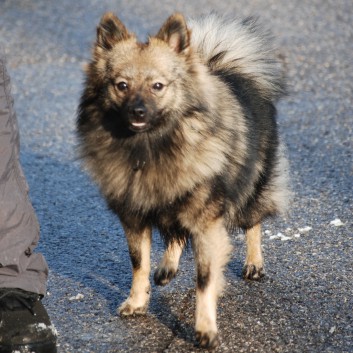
x,y
180,133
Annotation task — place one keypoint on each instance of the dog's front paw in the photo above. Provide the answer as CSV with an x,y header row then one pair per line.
x,y
128,308
208,340
253,272
163,275
136,303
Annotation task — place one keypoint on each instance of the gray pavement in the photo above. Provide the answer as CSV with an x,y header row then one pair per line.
x,y
305,304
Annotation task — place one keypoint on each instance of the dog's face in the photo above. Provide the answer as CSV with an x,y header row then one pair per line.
x,y
142,83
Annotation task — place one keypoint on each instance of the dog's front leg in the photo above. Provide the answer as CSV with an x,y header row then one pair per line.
x,y
139,242
212,249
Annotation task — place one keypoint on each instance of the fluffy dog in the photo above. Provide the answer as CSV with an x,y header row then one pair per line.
x,y
180,134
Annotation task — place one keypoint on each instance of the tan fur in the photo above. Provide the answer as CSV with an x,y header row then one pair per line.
x,y
182,174
212,250
254,262
137,302
171,256
180,134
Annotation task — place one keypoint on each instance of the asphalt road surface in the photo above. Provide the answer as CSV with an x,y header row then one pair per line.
x,y
305,304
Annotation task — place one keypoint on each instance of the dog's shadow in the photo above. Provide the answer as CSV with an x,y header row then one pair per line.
x,y
176,313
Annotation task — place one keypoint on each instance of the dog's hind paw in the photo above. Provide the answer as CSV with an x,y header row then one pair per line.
x,y
208,340
163,275
253,272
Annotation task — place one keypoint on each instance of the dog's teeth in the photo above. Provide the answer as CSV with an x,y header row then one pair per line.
x,y
138,124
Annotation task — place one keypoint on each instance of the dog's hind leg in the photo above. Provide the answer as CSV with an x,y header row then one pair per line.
x,y
254,263
212,249
168,267
139,248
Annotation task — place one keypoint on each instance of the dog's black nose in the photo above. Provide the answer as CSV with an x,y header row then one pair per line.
x,y
138,112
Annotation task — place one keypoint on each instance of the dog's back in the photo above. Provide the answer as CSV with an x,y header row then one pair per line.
x,y
240,53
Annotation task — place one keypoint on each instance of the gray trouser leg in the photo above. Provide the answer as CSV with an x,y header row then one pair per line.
x,y
19,229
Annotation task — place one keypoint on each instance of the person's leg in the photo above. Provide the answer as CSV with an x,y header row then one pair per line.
x,y
23,273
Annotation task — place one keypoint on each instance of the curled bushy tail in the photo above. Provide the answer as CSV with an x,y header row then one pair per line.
x,y
238,46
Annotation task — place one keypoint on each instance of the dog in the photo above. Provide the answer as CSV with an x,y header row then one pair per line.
x,y
180,134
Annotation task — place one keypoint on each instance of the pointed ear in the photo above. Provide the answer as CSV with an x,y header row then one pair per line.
x,y
110,31
175,32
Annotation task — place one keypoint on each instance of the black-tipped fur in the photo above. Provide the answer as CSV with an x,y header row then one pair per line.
x,y
180,134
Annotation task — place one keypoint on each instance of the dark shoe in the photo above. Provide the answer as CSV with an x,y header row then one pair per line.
x,y
24,323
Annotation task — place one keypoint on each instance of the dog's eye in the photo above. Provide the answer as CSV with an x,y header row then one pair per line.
x,y
122,86
158,86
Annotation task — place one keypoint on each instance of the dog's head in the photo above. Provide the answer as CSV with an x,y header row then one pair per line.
x,y
144,85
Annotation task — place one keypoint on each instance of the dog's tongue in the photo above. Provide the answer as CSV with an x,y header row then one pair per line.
x,y
136,124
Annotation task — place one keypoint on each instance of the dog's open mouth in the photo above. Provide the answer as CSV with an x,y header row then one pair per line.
x,y
138,126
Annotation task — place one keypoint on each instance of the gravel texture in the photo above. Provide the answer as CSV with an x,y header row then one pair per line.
x,y
305,303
